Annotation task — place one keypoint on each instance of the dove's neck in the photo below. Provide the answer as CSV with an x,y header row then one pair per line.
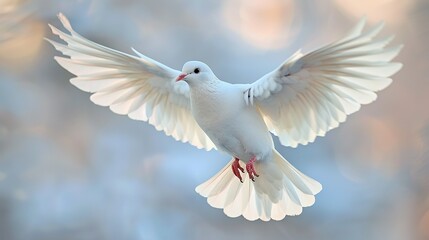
x,y
204,86
206,100
207,91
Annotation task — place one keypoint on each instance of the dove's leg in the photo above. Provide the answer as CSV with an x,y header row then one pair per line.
x,y
251,169
235,166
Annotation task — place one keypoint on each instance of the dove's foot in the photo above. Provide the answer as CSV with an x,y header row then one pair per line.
x,y
251,169
235,167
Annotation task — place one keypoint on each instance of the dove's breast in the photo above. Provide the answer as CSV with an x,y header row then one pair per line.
x,y
233,126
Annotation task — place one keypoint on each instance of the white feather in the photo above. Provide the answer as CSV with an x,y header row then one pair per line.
x,y
137,86
303,98
342,75
257,200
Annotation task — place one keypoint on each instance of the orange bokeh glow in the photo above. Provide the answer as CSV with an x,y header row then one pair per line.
x,y
263,24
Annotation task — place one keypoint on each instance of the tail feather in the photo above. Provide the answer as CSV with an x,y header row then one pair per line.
x,y
280,190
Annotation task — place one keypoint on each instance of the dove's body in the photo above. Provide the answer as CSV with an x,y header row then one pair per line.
x,y
220,105
303,98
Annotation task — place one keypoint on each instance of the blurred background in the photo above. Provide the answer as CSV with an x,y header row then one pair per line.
x,y
72,170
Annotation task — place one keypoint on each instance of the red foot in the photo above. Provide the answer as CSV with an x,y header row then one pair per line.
x,y
235,166
251,169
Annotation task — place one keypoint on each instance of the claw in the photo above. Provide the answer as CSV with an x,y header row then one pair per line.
x,y
254,172
249,171
235,167
250,168
239,167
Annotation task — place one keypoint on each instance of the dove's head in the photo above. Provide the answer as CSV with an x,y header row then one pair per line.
x,y
195,73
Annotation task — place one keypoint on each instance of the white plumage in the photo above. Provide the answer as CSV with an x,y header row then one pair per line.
x,y
303,98
137,86
311,94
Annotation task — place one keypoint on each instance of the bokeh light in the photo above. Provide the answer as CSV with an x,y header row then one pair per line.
x,y
21,36
392,11
263,24
370,144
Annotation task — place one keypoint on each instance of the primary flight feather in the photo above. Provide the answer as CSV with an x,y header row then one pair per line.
x,y
306,96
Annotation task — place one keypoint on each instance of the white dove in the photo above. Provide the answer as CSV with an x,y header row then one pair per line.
x,y
303,98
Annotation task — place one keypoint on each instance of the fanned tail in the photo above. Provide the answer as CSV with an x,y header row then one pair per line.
x,y
281,190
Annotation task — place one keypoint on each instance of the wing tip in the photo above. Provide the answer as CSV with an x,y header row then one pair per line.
x,y
139,54
396,67
61,61
54,30
49,41
380,25
360,25
398,49
363,20
66,23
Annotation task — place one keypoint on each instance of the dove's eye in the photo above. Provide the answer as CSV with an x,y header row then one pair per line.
x,y
196,70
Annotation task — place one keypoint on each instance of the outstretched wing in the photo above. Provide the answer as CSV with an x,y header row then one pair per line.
x,y
139,87
310,94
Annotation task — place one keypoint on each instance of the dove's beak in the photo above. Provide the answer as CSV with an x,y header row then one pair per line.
x,y
181,77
